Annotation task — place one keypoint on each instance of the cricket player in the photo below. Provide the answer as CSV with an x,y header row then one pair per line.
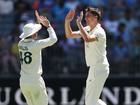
x,y
31,83
94,38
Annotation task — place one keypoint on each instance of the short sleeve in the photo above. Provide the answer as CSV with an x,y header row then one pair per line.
x,y
100,34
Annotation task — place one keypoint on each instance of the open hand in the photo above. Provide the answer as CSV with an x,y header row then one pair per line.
x,y
42,19
79,18
37,16
70,15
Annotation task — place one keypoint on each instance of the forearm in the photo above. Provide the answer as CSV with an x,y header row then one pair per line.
x,y
69,32
84,34
68,29
52,34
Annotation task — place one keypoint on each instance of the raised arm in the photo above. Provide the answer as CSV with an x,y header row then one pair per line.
x,y
52,35
42,19
68,31
84,33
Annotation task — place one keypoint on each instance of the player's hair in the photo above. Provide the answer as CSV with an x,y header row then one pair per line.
x,y
94,11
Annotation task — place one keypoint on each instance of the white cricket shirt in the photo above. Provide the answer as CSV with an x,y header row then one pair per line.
x,y
95,52
30,53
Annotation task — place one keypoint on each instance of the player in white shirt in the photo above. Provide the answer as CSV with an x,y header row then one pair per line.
x,y
31,82
94,38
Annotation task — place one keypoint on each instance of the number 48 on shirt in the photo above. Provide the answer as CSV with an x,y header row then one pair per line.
x,y
25,57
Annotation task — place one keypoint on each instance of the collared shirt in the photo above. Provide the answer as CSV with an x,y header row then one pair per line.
x,y
95,52
30,53
30,57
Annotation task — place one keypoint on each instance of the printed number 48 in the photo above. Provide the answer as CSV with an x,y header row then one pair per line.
x,y
25,57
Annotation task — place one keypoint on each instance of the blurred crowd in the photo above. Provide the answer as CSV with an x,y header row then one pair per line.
x,y
120,19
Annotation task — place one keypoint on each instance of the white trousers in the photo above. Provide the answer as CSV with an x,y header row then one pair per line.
x,y
34,90
94,85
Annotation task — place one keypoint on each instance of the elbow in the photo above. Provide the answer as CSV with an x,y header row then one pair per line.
x,y
67,36
55,40
86,39
70,35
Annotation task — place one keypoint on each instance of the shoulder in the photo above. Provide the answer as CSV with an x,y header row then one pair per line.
x,y
20,42
100,31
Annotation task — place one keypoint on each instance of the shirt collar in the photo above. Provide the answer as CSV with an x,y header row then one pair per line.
x,y
98,25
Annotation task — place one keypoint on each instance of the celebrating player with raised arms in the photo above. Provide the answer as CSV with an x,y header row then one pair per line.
x,y
31,82
94,38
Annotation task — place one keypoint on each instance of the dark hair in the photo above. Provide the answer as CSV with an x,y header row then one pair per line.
x,y
94,11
